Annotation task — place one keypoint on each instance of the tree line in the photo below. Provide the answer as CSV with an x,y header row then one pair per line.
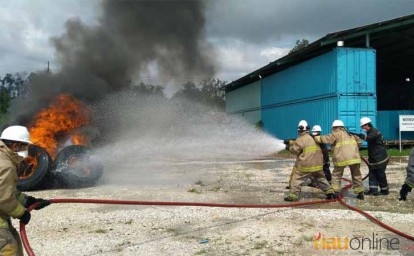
x,y
210,91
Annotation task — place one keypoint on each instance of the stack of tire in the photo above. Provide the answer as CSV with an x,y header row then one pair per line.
x,y
73,167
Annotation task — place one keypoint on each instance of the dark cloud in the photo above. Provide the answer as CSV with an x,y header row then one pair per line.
x,y
264,21
96,60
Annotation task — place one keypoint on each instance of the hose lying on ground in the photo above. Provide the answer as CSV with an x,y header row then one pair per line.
x,y
30,252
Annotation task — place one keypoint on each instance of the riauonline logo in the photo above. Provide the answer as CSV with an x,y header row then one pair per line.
x,y
374,242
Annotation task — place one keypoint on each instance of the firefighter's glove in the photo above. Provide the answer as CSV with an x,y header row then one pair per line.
x,y
42,203
359,135
25,218
404,191
288,143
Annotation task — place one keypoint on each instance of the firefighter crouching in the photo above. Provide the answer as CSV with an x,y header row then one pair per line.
x,y
345,152
409,181
14,143
309,163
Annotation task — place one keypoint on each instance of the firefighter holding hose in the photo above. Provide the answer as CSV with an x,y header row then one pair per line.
x,y
14,144
377,157
316,131
345,152
309,163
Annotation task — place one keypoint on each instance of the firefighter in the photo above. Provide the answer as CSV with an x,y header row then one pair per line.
x,y
309,163
14,144
409,181
287,143
345,152
377,158
316,131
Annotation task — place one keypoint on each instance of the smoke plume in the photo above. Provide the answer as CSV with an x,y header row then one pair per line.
x,y
133,38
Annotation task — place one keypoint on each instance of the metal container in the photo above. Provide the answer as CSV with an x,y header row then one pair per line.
x,y
337,85
388,123
245,102
282,120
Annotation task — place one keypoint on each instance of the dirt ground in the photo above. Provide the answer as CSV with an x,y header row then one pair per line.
x,y
323,229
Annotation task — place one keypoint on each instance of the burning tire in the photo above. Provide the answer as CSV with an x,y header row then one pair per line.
x,y
34,171
75,167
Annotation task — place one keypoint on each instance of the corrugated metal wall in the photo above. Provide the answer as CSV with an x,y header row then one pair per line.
x,y
312,78
246,102
356,71
282,120
337,85
388,123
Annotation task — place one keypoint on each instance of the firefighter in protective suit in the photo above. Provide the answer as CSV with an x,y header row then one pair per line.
x,y
309,163
345,152
316,131
409,181
377,158
14,144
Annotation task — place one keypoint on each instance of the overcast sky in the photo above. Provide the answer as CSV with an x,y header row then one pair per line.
x,y
246,34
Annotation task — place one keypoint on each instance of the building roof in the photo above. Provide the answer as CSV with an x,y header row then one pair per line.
x,y
393,41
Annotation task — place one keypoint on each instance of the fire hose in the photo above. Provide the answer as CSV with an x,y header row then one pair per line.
x,y
30,252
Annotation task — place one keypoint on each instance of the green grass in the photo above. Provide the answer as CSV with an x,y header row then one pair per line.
x,y
396,152
391,152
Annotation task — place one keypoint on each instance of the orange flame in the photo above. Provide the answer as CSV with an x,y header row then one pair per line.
x,y
53,125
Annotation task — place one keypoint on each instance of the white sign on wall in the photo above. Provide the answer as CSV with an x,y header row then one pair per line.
x,y
406,125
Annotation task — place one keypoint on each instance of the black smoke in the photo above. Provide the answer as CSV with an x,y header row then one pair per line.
x,y
131,35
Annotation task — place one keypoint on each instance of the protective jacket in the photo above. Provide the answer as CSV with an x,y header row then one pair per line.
x,y
309,154
345,147
11,200
377,152
410,170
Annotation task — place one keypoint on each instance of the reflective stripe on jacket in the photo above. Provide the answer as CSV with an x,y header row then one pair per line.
x,y
309,154
4,223
11,200
345,149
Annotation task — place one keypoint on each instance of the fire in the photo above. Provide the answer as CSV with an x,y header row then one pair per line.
x,y
27,166
60,121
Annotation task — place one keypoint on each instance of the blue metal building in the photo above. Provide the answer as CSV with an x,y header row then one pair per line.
x,y
369,76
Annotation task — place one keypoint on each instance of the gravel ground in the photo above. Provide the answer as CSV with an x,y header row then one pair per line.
x,y
92,229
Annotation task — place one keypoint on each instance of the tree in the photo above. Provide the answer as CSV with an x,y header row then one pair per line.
x,y
17,84
13,86
4,102
189,91
148,89
213,92
213,88
300,44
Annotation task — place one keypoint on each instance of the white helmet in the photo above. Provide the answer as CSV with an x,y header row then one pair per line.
x,y
303,125
364,120
337,123
16,133
316,128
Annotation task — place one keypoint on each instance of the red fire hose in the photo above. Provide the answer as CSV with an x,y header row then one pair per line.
x,y
30,252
